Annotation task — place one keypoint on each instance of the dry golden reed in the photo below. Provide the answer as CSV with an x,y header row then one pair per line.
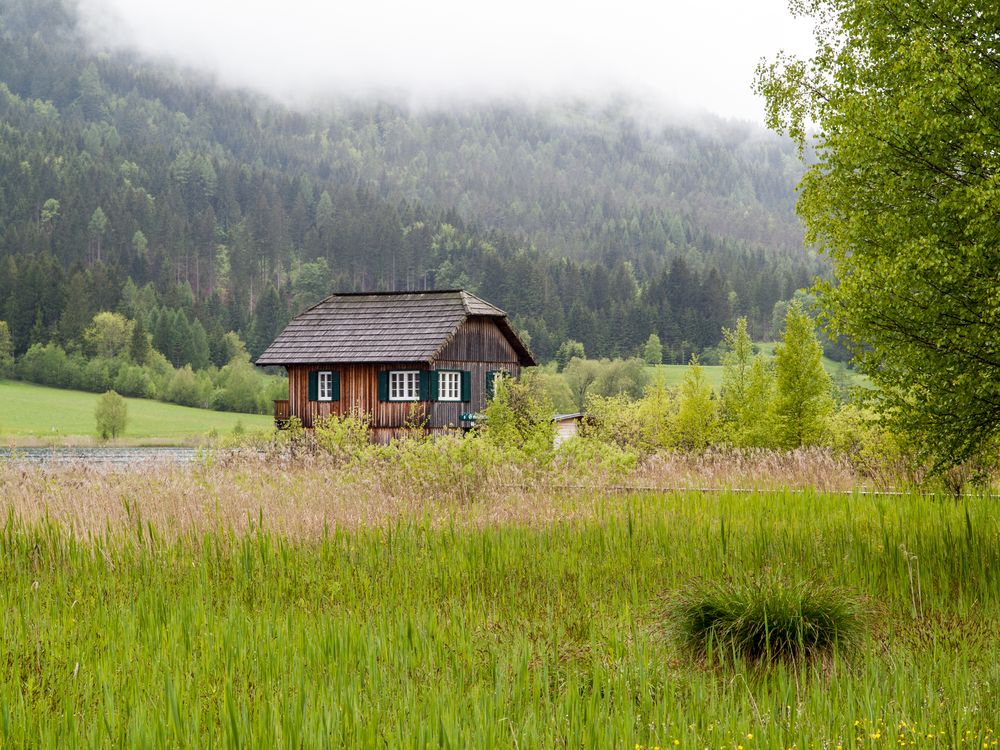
x,y
305,495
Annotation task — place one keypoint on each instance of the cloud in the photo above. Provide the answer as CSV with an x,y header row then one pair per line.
x,y
698,56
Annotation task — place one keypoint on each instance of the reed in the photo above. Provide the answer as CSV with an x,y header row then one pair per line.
x,y
229,606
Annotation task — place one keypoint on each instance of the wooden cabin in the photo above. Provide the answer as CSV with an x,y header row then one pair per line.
x,y
399,357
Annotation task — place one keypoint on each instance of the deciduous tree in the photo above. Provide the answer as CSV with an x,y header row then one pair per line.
x,y
111,414
803,401
903,196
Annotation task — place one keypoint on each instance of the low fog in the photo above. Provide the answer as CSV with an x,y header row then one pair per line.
x,y
684,56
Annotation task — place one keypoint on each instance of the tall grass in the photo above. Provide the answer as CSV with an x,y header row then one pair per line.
x,y
484,627
766,619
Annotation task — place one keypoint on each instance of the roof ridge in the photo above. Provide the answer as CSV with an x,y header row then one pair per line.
x,y
468,311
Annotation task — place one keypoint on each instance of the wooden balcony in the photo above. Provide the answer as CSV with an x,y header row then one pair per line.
x,y
282,413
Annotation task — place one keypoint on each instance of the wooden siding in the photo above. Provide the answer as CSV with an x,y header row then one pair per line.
x,y
478,339
358,390
478,347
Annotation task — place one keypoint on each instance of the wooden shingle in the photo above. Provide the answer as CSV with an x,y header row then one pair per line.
x,y
382,327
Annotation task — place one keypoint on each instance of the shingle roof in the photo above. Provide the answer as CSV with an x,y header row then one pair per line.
x,y
380,327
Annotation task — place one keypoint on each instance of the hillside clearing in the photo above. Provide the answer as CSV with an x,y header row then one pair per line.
x,y
34,411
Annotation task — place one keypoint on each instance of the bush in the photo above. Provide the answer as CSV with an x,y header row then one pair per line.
x,y
134,380
588,459
46,364
189,388
96,375
111,414
239,387
765,620
519,416
696,421
614,420
343,437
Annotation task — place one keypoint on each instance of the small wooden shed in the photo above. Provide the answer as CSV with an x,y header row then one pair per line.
x,y
397,357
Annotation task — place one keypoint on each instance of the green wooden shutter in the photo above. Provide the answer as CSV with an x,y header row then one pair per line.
x,y
383,385
428,385
491,375
335,385
314,386
466,386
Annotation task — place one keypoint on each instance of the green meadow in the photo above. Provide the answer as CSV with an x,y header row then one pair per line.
x,y
507,634
842,376
34,411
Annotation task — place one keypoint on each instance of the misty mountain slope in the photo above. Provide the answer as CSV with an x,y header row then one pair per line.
x,y
582,179
583,222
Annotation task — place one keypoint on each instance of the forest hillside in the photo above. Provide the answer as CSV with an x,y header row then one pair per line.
x,y
138,187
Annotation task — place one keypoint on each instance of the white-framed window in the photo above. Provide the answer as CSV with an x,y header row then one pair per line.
x,y
404,385
324,386
449,385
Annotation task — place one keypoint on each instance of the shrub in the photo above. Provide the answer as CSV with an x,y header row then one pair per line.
x,y
46,364
134,380
239,387
343,437
519,416
111,414
189,388
587,459
614,420
765,619
657,412
96,375
696,420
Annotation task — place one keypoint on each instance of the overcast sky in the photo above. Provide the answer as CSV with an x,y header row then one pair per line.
x,y
691,55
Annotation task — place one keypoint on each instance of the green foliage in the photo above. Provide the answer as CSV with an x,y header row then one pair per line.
x,y
556,389
134,380
139,346
344,437
239,387
652,350
901,195
46,364
748,392
519,417
657,412
111,414
189,388
605,377
803,398
766,619
696,423
622,376
580,375
108,335
567,351
614,420
6,350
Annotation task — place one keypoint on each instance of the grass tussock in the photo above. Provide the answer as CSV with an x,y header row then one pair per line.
x,y
766,619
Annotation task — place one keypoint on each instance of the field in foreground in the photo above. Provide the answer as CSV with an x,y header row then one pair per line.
x,y
520,620
36,411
